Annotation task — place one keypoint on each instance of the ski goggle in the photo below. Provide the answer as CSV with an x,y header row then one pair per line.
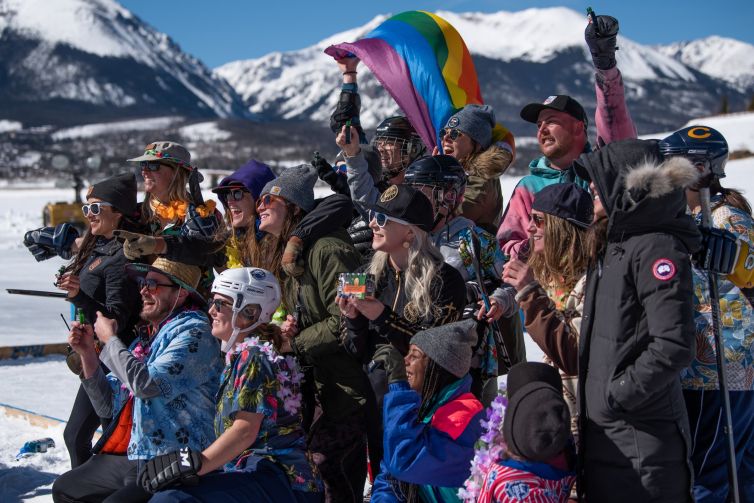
x,y
268,199
382,219
152,285
93,208
453,134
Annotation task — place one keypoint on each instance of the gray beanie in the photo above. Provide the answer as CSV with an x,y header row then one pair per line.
x,y
449,345
476,121
295,185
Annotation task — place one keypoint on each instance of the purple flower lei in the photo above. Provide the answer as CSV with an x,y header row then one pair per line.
x,y
288,374
488,449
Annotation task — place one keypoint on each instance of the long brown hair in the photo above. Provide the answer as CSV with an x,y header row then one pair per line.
x,y
730,197
271,333
565,257
267,253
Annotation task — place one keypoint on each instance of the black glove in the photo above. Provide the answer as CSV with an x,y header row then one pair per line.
x,y
601,37
337,182
179,467
719,251
47,242
349,105
392,361
361,235
197,225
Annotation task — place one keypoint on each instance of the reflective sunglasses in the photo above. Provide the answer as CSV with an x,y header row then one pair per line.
x,y
382,219
539,220
234,194
218,304
93,208
453,134
268,199
150,165
151,284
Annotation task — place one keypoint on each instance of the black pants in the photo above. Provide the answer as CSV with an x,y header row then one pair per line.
x,y
80,429
105,477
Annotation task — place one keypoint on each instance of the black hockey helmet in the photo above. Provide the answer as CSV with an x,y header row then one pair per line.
x,y
699,144
398,130
441,172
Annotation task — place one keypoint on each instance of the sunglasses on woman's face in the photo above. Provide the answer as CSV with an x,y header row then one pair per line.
x,y
150,165
234,194
219,304
382,219
93,208
152,285
453,134
539,220
267,199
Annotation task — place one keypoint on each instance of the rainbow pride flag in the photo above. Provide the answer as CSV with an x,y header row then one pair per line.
x,y
424,64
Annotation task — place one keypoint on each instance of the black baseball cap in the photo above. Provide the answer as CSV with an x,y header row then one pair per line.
x,y
567,201
561,103
408,204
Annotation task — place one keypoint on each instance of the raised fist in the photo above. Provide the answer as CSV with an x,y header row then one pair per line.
x,y
601,36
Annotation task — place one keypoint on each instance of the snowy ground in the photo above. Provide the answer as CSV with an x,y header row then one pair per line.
x,y
44,385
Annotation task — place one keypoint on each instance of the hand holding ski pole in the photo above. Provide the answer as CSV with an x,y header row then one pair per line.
x,y
70,283
491,313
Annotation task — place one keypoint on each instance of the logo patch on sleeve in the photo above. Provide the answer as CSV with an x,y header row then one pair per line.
x,y
663,269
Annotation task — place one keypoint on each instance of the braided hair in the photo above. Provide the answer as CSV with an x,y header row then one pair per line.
x,y
436,379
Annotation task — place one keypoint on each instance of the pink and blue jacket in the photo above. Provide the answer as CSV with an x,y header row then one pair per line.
x,y
613,123
434,452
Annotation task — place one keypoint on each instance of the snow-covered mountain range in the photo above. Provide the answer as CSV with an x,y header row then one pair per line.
x,y
78,61
520,56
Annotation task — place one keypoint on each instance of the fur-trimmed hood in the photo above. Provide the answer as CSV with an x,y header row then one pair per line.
x,y
489,163
640,190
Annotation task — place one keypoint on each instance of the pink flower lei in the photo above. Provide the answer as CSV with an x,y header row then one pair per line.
x,y
488,449
288,374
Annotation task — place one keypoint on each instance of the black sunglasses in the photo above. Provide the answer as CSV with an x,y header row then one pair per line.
x,y
218,304
93,208
452,133
150,165
151,284
234,194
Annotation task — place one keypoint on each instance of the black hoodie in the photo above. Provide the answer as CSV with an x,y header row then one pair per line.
x,y
637,331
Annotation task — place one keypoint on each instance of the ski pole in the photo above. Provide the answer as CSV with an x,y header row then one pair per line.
x,y
496,330
722,371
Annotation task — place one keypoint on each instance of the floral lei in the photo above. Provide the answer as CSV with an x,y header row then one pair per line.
x,y
290,380
175,210
488,449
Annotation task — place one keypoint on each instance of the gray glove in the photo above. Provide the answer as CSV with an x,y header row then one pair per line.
x,y
46,242
601,37
392,361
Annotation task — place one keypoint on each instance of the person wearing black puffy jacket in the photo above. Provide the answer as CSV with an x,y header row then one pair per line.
x,y
95,281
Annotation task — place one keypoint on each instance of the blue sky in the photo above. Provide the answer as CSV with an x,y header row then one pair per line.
x,y
226,30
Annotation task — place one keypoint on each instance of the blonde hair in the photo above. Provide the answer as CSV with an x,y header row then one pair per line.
x,y
424,261
176,192
565,256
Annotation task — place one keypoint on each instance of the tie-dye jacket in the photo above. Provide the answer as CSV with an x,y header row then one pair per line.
x,y
736,316
613,123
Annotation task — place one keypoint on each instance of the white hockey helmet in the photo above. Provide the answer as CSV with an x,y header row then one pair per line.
x,y
247,286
